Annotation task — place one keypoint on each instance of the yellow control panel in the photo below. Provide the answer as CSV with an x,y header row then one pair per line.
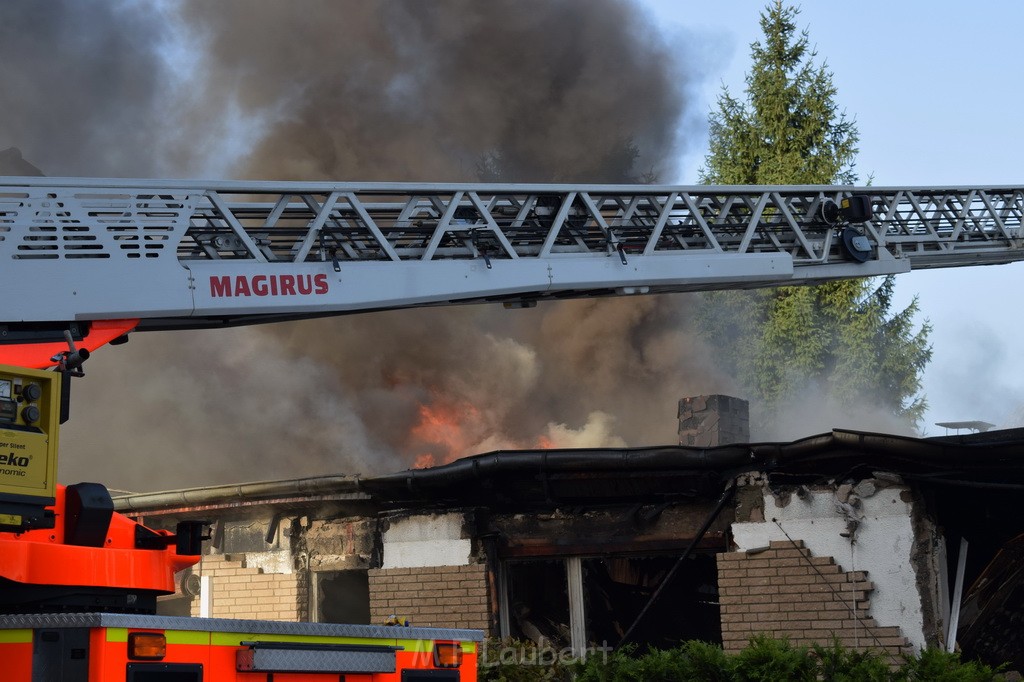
x,y
29,424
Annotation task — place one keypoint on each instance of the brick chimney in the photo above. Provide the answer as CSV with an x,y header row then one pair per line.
x,y
709,420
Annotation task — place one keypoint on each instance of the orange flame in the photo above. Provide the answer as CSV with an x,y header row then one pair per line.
x,y
544,443
424,461
443,430
450,427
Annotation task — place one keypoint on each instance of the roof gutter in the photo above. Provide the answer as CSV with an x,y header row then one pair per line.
x,y
496,464
335,487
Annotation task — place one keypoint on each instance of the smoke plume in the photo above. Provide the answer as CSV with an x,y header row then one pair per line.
x,y
394,90
425,91
87,87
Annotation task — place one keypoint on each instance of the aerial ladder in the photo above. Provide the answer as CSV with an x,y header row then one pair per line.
x,y
101,258
87,262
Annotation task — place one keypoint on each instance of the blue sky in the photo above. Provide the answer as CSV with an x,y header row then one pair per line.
x,y
935,90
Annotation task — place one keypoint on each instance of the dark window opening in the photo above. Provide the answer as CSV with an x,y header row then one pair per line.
x,y
993,587
342,597
538,601
614,592
616,589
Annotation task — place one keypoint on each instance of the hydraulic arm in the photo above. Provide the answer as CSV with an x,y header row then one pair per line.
x,y
145,254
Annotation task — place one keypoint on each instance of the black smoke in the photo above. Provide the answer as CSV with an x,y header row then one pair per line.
x,y
556,91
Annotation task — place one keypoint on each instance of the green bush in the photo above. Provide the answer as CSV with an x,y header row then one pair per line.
x,y
838,664
620,666
705,662
513,660
939,666
770,660
764,660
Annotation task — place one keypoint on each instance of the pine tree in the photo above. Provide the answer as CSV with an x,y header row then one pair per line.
x,y
838,339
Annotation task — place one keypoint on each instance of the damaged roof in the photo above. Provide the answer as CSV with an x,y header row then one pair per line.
x,y
520,478
993,459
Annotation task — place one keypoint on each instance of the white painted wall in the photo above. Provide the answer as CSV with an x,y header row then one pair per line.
x,y
882,546
278,561
431,540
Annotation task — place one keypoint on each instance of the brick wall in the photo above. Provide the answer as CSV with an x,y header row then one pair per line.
x,y
245,592
785,592
438,596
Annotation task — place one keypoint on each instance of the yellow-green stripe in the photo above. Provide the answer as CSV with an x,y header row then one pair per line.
x,y
15,636
233,638
425,645
173,636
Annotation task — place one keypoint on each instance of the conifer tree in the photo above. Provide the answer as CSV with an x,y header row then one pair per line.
x,y
839,340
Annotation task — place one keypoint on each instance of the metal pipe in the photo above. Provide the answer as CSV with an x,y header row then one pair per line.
x,y
954,613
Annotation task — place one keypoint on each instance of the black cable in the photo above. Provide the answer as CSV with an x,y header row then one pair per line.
x,y
726,496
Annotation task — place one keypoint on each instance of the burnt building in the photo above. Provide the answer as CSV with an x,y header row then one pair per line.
x,y
845,534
